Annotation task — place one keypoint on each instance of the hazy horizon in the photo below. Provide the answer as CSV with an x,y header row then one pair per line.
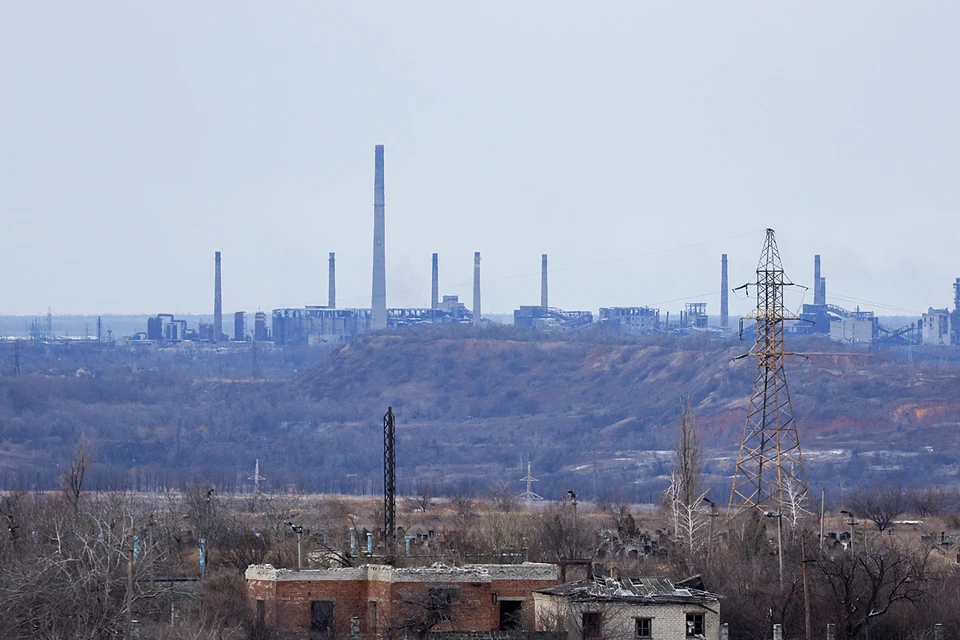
x,y
632,142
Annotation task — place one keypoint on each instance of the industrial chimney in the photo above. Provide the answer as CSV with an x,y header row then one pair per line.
x,y
724,293
818,291
378,304
476,288
435,284
823,291
543,281
217,302
332,283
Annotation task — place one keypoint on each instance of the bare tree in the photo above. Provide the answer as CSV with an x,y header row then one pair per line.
x,y
863,588
880,506
686,493
73,477
423,498
930,501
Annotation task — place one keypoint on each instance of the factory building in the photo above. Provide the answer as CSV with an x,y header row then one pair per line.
x,y
164,326
314,325
694,316
632,321
547,317
551,318
854,327
935,327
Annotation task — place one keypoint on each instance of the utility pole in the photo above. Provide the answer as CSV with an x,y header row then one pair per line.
x,y
806,588
297,529
713,515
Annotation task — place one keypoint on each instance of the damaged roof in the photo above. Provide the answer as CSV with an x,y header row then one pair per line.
x,y
645,590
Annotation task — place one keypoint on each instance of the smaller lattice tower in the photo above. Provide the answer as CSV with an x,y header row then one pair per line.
x,y
529,496
389,481
256,477
770,473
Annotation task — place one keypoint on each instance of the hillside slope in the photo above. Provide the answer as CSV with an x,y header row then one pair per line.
x,y
463,397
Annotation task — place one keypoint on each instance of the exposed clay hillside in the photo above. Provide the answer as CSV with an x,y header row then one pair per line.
x,y
463,396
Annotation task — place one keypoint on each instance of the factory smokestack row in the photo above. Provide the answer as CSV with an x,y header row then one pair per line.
x,y
543,281
435,284
476,288
724,293
217,301
378,306
332,283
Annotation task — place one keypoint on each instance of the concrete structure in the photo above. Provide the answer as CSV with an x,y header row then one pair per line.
x,y
551,318
332,282
240,326
935,327
378,308
476,288
724,293
694,315
260,333
313,325
543,283
642,608
857,327
217,303
164,326
379,601
435,282
819,283
633,321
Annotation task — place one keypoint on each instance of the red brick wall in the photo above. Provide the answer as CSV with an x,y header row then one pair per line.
x,y
287,602
519,589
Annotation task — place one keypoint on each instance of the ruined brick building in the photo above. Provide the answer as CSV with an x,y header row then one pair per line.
x,y
376,601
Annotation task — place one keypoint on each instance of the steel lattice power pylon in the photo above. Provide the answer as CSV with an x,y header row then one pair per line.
x,y
389,481
770,473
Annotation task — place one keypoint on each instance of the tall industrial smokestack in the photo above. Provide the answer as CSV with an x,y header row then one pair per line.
x,y
217,302
476,288
435,284
823,291
818,297
332,283
724,293
378,305
543,281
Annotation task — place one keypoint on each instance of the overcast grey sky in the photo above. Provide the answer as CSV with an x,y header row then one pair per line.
x,y
138,138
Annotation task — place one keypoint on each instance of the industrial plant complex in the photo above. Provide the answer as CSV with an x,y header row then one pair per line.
x,y
331,324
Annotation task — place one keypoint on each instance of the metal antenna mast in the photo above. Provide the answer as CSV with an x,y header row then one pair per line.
x,y
770,473
389,481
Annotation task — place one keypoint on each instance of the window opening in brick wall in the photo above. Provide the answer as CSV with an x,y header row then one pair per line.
x,y
511,615
644,628
592,622
695,625
261,611
373,616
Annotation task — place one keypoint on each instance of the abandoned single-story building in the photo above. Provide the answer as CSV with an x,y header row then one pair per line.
x,y
374,601
640,608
